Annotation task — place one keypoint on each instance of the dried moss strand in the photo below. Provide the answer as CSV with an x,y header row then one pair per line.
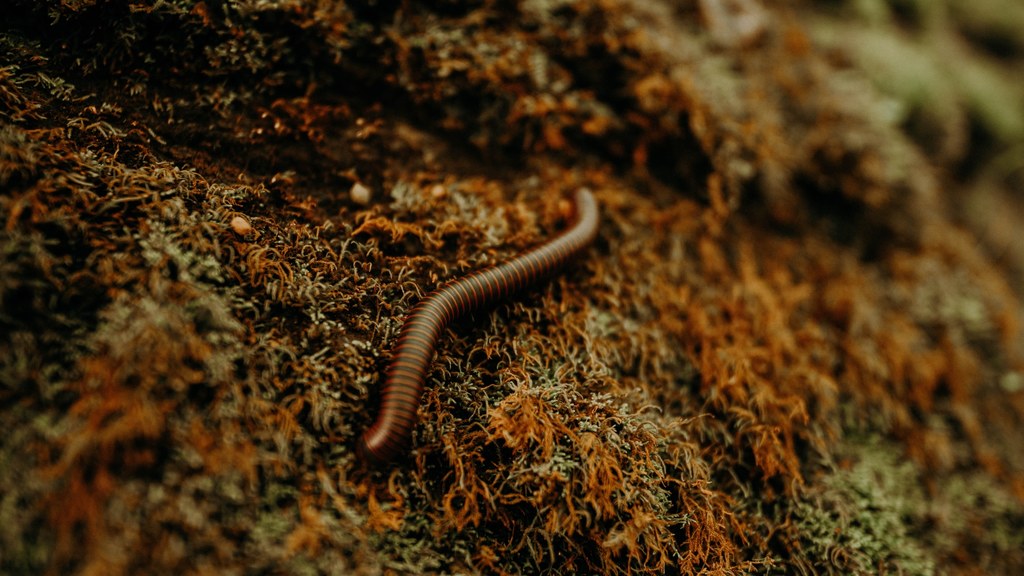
x,y
388,436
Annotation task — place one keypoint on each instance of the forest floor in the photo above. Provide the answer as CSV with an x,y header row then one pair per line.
x,y
796,346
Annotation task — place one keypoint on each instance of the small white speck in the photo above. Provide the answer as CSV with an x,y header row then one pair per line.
x,y
360,194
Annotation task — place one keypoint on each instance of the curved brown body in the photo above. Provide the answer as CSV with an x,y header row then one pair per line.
x,y
400,397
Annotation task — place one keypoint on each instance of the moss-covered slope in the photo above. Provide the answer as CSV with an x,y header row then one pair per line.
x,y
794,348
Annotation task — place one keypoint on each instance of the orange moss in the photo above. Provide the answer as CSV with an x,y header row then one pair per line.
x,y
777,278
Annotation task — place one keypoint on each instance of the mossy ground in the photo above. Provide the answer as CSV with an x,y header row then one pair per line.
x,y
794,348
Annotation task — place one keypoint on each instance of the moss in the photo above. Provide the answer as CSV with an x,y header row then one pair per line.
x,y
866,517
941,105
778,271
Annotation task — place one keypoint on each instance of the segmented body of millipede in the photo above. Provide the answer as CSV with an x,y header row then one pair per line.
x,y
400,397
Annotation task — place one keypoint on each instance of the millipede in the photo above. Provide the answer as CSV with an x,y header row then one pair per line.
x,y
389,434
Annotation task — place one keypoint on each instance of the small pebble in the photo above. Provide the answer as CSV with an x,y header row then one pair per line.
x,y
1012,382
360,194
241,226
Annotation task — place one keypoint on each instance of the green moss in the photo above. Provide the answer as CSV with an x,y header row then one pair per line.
x,y
937,100
866,516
